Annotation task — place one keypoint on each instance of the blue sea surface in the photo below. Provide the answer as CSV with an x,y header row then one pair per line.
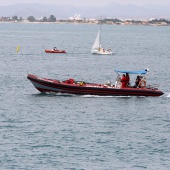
x,y
61,131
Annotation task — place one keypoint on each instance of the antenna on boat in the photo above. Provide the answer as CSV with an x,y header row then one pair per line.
x,y
147,70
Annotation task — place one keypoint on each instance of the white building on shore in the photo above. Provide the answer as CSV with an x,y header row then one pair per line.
x,y
76,17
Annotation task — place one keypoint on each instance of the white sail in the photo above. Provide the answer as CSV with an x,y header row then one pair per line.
x,y
97,44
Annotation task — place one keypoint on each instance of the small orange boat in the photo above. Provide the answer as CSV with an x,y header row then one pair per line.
x,y
55,51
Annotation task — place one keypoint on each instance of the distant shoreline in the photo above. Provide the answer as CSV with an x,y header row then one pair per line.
x,y
92,23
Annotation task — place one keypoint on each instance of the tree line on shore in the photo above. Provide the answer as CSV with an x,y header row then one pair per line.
x,y
31,18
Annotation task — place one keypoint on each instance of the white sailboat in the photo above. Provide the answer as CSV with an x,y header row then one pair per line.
x,y
97,48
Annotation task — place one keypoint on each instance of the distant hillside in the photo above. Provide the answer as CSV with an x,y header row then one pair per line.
x,y
63,12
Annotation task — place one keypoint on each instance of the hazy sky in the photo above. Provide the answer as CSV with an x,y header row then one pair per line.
x,y
86,2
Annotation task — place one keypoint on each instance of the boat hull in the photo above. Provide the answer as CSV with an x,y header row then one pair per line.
x,y
55,51
81,88
101,52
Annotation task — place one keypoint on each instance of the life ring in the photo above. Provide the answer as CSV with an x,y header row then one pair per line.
x,y
142,83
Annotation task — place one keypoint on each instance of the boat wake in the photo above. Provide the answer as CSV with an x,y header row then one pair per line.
x,y
51,94
168,95
94,96
97,96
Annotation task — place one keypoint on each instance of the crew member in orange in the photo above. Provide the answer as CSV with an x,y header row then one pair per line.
x,y
127,79
123,81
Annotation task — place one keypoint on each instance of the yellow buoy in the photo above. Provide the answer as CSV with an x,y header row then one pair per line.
x,y
18,48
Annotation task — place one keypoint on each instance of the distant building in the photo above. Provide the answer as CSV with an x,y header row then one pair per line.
x,y
76,17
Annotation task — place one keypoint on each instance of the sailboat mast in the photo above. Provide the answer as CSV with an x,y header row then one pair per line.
x,y
100,31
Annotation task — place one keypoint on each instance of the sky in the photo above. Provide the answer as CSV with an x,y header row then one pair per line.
x,y
86,2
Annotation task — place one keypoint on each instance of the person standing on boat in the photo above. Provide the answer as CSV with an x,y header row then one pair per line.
x,y
55,48
123,81
127,79
109,49
142,83
137,82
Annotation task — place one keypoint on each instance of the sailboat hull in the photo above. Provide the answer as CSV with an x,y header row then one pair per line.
x,y
101,52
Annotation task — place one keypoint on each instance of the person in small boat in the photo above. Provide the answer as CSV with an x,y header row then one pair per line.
x,y
103,50
99,49
137,81
55,48
123,81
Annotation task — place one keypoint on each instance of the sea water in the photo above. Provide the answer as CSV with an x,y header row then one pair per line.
x,y
60,131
